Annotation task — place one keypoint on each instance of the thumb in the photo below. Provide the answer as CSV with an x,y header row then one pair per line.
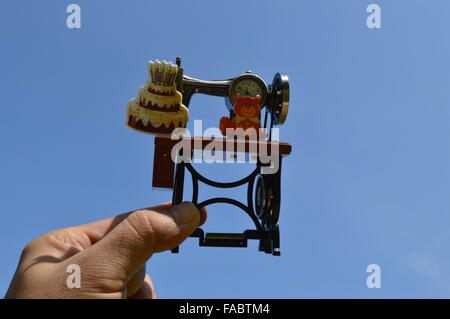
x,y
131,243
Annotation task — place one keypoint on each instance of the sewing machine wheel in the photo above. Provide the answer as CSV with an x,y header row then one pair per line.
x,y
267,197
262,198
279,101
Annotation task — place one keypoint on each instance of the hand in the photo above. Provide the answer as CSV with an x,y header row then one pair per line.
x,y
111,254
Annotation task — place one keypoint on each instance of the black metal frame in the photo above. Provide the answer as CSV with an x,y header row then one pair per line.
x,y
265,218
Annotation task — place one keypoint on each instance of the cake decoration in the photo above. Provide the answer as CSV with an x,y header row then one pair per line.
x,y
158,106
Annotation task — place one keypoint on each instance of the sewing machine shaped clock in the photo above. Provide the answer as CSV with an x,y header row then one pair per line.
x,y
161,108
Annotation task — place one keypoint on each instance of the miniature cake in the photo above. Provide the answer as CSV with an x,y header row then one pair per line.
x,y
158,107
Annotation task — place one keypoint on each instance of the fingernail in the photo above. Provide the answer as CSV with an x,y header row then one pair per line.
x,y
185,213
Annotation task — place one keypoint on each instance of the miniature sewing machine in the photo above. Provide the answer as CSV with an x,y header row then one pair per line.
x,y
161,108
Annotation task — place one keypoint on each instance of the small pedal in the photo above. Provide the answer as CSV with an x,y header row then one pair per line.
x,y
224,240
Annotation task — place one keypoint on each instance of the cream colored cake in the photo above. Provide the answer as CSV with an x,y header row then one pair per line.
x,y
158,107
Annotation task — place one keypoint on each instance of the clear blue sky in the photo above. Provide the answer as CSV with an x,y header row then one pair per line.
x,y
368,180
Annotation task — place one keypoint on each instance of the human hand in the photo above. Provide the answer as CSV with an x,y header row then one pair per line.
x,y
111,254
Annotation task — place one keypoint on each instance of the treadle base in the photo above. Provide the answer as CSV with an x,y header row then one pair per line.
x,y
235,240
224,240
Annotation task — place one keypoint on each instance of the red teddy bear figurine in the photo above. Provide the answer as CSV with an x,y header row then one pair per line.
x,y
247,110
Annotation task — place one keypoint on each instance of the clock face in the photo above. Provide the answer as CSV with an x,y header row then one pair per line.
x,y
249,85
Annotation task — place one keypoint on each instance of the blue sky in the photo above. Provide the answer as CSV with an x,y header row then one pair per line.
x,y
368,180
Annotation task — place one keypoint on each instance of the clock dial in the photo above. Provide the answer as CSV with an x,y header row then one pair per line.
x,y
249,88
248,85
